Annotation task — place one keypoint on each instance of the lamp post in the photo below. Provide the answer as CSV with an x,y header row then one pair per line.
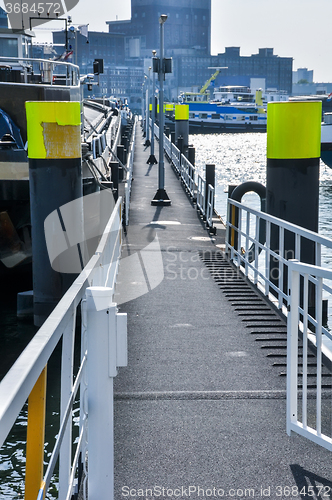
x,y
152,159
161,198
143,108
148,92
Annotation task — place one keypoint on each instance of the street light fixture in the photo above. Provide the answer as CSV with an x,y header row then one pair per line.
x,y
161,198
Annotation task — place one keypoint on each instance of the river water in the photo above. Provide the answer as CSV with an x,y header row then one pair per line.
x,y
238,158
242,157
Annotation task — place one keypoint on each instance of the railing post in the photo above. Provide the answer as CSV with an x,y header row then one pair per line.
x,y
107,349
100,395
67,364
292,344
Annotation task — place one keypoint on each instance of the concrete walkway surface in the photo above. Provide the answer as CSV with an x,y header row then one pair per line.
x,y
200,409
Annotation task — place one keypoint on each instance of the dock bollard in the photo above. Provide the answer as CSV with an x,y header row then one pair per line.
x,y
192,155
210,170
292,175
180,144
114,166
182,124
55,173
120,153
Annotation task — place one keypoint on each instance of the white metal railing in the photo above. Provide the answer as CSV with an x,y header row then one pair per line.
x,y
30,66
129,174
258,244
201,194
210,206
193,182
308,396
188,175
97,280
255,242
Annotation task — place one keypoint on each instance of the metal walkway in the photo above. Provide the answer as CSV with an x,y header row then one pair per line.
x,y
200,411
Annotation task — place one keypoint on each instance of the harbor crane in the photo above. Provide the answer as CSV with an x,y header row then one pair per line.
x,y
213,77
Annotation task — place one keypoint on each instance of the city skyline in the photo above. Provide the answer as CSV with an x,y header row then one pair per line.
x,y
293,29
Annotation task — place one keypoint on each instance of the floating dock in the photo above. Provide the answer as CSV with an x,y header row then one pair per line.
x,y
200,411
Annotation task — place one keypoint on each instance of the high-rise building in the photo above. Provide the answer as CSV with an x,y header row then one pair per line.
x,y
127,50
187,30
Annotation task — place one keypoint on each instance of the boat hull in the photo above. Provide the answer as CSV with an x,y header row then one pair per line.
x,y
210,127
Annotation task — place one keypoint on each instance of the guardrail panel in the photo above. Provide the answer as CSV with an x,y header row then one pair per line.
x,y
18,383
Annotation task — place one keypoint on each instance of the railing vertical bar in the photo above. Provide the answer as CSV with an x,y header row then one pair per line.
x,y
267,257
256,249
239,236
305,352
247,241
297,247
319,303
292,346
281,264
318,254
67,365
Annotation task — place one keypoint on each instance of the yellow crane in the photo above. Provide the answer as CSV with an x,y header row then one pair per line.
x,y
213,77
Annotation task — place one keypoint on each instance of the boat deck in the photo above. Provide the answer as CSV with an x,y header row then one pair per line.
x,y
200,409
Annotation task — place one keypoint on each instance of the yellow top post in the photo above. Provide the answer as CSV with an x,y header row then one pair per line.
x,y
294,129
182,111
53,129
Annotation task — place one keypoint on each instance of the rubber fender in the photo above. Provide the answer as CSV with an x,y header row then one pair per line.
x,y
237,194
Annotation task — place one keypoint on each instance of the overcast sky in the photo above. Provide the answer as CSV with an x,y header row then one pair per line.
x,y
294,28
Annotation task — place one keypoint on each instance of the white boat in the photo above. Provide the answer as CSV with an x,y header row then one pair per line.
x,y
237,111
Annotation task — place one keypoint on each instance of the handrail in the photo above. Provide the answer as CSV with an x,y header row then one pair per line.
x,y
129,173
192,181
33,59
243,240
67,66
210,206
304,280
18,383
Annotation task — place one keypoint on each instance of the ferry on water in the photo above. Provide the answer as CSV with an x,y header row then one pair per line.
x,y
234,108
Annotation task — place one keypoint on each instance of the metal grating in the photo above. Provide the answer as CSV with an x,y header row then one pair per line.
x,y
268,329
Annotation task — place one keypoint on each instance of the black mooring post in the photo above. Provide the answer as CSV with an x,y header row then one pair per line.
x,y
210,170
191,155
120,153
55,178
292,177
180,144
182,125
114,166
